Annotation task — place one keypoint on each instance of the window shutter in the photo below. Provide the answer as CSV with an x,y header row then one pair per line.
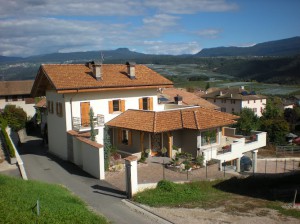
x,y
122,105
110,106
56,108
129,137
141,103
150,103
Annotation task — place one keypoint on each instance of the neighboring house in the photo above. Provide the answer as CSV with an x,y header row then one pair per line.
x,y
183,97
232,100
124,97
41,108
17,93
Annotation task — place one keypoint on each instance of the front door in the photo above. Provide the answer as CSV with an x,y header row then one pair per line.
x,y
85,110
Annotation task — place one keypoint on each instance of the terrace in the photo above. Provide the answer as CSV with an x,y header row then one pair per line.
x,y
80,124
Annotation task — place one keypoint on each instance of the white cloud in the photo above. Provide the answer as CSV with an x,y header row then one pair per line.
x,y
20,8
208,33
191,6
160,47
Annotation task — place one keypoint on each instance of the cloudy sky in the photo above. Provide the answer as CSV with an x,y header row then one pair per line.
x,y
31,27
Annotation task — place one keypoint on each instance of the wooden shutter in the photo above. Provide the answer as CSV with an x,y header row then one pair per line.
x,y
110,107
122,102
56,104
150,103
141,103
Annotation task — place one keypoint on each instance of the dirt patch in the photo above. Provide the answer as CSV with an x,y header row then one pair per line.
x,y
221,215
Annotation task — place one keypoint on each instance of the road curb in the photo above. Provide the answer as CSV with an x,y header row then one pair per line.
x,y
146,212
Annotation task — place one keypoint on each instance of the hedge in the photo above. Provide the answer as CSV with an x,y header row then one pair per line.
x,y
8,142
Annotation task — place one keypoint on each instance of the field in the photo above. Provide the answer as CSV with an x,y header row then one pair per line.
x,y
180,75
18,199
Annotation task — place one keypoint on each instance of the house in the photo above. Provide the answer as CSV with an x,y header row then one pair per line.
x,y
233,100
124,97
17,93
72,90
183,97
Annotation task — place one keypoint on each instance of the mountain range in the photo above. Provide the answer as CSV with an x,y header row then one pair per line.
x,y
272,62
284,47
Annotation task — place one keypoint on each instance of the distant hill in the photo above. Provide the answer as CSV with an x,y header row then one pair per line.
x,y
9,59
285,47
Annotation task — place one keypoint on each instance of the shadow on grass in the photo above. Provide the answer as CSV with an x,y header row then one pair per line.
x,y
274,187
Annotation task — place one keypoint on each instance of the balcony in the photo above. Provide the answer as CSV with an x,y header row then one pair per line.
x,y
80,124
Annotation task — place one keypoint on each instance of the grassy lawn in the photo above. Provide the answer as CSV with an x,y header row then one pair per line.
x,y
57,204
235,194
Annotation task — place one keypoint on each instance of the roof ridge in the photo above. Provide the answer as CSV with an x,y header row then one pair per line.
x,y
196,120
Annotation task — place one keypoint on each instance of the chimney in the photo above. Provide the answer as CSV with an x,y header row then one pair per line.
x,y
131,69
97,73
231,95
178,99
221,93
242,87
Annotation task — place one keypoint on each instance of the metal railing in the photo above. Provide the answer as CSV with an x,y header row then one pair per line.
x,y
79,123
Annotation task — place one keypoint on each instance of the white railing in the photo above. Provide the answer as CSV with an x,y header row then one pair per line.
x,y
79,124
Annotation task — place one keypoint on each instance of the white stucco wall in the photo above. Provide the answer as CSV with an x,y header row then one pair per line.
x,y
260,105
28,108
57,135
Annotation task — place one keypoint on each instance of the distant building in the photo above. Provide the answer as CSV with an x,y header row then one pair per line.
x,y
17,93
232,100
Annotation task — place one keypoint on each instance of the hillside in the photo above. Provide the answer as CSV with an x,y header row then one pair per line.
x,y
285,47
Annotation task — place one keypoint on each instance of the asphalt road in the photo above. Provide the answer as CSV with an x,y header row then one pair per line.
x,y
99,195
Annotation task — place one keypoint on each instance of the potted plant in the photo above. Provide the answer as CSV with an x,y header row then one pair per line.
x,y
147,152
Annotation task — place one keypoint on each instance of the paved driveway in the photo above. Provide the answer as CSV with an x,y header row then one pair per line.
x,y
99,195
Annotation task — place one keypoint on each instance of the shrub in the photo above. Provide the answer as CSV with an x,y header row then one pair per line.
x,y
16,117
8,143
165,185
199,160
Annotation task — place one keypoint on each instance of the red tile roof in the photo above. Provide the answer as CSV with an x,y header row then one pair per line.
x,y
188,98
78,77
161,121
42,103
11,88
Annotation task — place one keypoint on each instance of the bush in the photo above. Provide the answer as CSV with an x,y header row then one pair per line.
x,y
199,160
165,185
16,117
8,143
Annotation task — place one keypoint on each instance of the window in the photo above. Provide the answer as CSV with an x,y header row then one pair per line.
x,y
232,101
214,100
8,99
248,101
50,107
207,139
223,101
146,103
223,109
232,110
116,106
59,110
254,101
125,136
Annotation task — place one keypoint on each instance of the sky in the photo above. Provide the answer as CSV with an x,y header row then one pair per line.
x,y
33,27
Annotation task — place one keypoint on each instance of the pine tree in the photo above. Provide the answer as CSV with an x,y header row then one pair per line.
x,y
93,134
107,147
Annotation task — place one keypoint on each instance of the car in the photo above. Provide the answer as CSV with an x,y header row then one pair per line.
x,y
246,163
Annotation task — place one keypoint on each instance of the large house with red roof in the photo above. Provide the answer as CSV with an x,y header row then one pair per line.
x,y
124,98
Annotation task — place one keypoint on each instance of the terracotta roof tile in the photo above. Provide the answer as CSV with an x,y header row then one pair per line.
x,y
42,103
79,76
188,98
10,88
161,121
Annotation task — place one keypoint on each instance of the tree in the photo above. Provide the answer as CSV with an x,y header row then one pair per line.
x,y
107,147
207,86
247,122
16,117
292,116
273,122
93,133
209,136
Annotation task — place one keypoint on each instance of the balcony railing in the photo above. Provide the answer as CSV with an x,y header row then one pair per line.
x,y
84,124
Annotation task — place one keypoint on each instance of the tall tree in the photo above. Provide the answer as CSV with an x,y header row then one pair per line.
x,y
247,122
93,133
273,122
107,147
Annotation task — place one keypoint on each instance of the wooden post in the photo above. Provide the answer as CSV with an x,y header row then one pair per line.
x,y
142,141
170,144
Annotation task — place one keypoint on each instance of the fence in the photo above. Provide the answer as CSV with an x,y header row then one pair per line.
x,y
287,150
